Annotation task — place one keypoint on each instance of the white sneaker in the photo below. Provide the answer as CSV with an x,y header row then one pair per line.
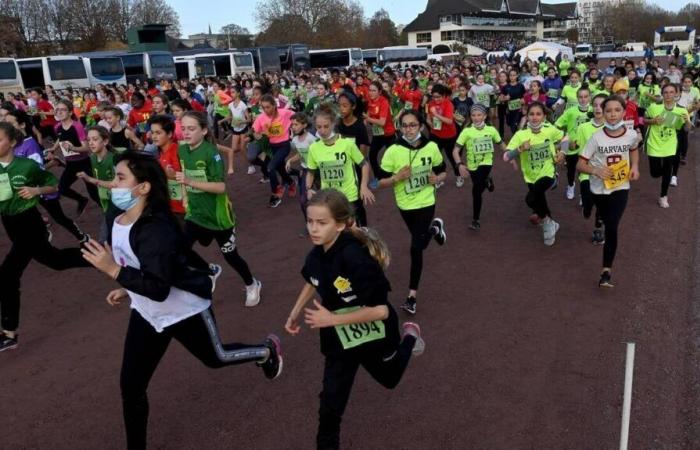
x,y
674,181
549,231
251,170
663,202
411,328
570,192
459,182
252,294
439,184
215,273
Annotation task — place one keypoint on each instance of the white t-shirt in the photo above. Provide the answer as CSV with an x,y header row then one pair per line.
x,y
177,307
302,146
603,150
238,115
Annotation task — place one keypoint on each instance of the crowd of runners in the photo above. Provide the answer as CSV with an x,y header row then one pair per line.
x,y
155,158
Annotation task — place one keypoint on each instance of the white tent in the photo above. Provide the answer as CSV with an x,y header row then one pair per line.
x,y
537,49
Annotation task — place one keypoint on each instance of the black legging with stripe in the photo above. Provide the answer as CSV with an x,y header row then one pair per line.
x,y
143,349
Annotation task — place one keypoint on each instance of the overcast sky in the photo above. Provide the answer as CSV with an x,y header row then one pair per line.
x,y
195,19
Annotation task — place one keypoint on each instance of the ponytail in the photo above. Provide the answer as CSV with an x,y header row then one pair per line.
x,y
376,246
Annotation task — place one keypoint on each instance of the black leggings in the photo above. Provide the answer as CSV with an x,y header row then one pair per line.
x,y
536,197
480,178
662,167
377,144
53,207
339,375
360,213
682,149
29,238
513,119
143,349
502,110
446,145
571,161
588,203
224,125
70,176
418,222
227,244
611,207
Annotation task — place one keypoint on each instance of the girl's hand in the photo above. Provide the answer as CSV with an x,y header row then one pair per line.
x,y
101,257
319,317
525,146
559,157
463,172
604,173
181,178
634,174
287,165
403,174
116,296
292,326
432,178
28,192
367,196
514,164
658,120
310,193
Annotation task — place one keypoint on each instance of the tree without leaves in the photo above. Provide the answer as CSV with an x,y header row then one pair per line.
x,y
380,31
234,30
285,29
144,12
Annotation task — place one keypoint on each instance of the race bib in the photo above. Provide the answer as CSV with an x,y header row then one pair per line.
x,y
5,187
629,124
482,98
553,93
418,180
481,145
104,193
175,190
333,172
514,105
119,149
437,124
620,174
377,130
356,334
539,154
275,130
670,119
303,153
195,175
408,105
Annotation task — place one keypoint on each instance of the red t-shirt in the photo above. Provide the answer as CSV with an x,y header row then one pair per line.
x,y
446,109
169,158
362,91
378,109
139,116
632,115
44,106
415,97
196,105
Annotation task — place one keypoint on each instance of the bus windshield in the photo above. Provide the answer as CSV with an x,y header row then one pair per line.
x,y
243,60
356,54
161,61
106,67
8,71
66,69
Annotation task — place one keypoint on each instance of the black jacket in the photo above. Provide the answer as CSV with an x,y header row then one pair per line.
x,y
166,261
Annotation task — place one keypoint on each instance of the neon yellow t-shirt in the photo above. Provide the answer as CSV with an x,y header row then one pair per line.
x,y
583,135
415,192
571,120
538,161
644,100
570,94
661,139
478,145
335,164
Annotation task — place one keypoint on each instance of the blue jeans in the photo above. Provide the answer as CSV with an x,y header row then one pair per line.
x,y
279,156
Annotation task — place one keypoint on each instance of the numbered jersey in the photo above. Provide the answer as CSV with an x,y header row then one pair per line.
x,y
602,150
661,139
335,165
416,191
538,161
347,279
479,145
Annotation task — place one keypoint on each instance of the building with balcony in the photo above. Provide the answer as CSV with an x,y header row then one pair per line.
x,y
489,24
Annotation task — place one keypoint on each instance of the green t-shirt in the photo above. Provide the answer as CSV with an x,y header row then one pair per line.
x,y
570,121
583,135
662,139
415,192
211,211
570,94
336,165
538,161
103,171
581,68
644,100
564,66
478,145
21,172
220,108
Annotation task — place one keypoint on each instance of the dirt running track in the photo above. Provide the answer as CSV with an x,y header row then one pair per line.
x,y
524,351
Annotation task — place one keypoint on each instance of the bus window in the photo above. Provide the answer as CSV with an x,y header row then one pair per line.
x,y
8,71
161,61
133,65
106,68
356,55
243,60
69,69
204,67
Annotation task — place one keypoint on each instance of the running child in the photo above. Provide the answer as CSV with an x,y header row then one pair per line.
x,y
121,136
301,142
358,326
569,122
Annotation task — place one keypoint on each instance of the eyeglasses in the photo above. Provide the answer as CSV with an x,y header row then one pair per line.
x,y
410,125
60,110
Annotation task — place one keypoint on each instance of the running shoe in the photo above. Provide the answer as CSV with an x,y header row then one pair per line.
x,y
264,180
7,342
556,182
683,161
374,184
272,366
476,226
251,170
570,192
252,294
84,239
674,181
663,202
412,329
490,184
534,219
215,271
292,190
459,182
49,235
549,231
438,229
605,279
410,305
279,191
82,204
275,201
580,201
598,237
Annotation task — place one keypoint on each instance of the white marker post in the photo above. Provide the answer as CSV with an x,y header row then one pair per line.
x,y
627,398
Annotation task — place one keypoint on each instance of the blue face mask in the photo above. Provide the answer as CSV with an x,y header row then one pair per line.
x,y
616,126
122,198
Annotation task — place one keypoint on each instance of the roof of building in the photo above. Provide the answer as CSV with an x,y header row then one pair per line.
x,y
430,18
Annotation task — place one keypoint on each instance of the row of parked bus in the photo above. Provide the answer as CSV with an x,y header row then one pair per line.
x,y
89,69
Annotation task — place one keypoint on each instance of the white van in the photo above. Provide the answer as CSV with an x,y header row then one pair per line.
x,y
190,67
10,79
61,72
583,51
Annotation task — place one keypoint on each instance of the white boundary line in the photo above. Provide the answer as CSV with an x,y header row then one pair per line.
x,y
627,398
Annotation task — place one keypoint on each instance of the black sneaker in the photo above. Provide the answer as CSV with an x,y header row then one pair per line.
x,y
272,366
438,229
598,237
605,279
275,201
409,305
82,204
556,182
214,273
476,226
490,185
7,342
683,161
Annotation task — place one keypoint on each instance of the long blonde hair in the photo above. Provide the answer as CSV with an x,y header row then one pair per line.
x,y
342,211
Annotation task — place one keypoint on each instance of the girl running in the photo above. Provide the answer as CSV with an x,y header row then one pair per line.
x,y
569,122
334,159
209,214
301,142
121,137
537,148
22,182
240,121
148,259
163,133
664,120
379,120
349,125
443,130
358,326
478,141
611,158
413,166
513,93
